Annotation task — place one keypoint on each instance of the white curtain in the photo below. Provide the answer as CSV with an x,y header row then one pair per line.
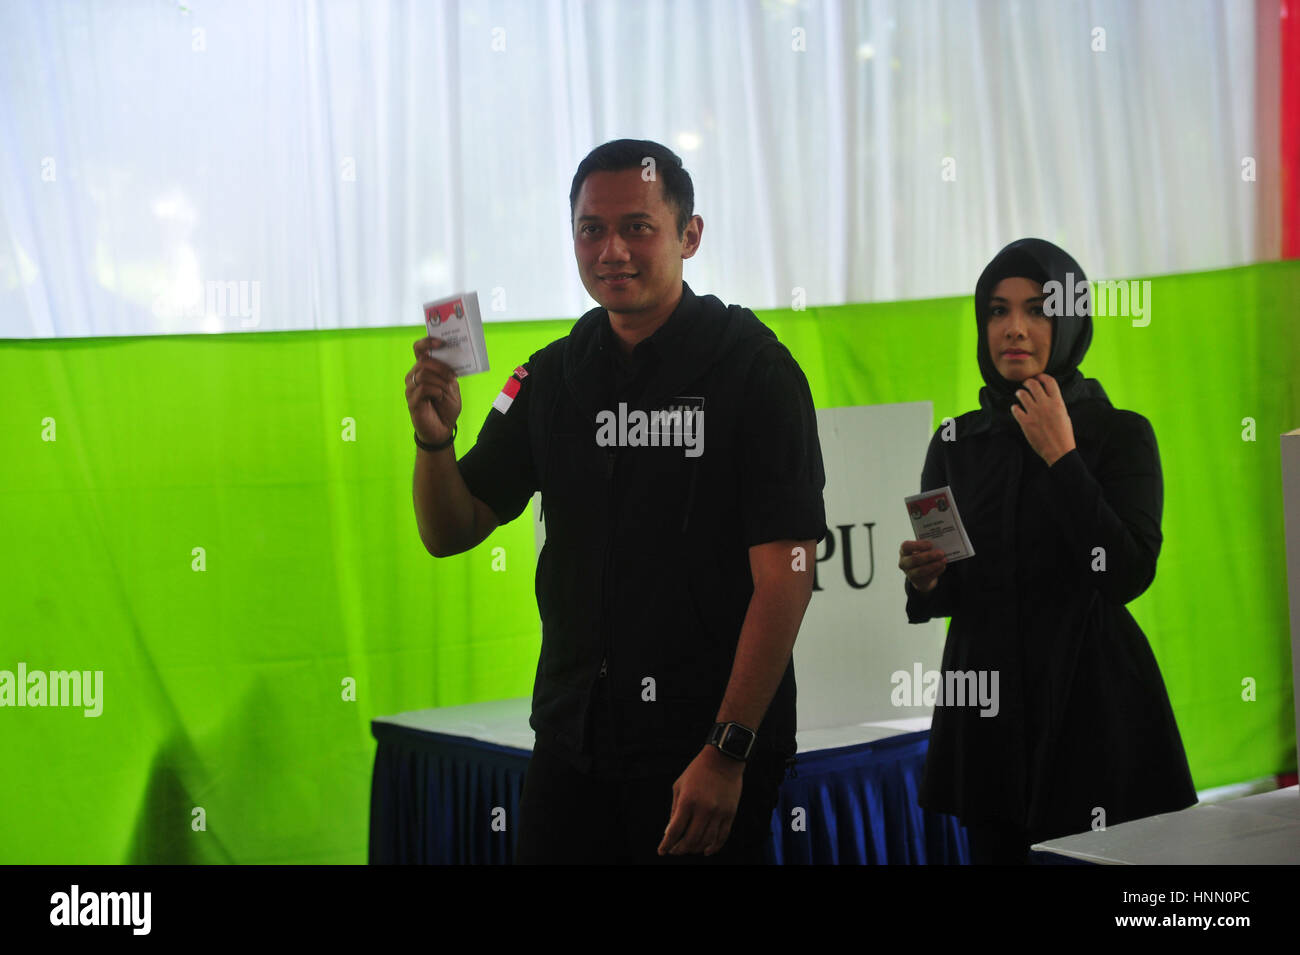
x,y
225,166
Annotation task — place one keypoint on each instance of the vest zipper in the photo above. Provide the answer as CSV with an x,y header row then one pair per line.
x,y
610,461
690,497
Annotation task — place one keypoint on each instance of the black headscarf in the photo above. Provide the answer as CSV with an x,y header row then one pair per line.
x,y
1042,262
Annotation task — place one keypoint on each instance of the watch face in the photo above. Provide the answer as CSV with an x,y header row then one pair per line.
x,y
736,740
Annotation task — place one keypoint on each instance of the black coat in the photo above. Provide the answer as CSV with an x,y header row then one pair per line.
x,y
1084,722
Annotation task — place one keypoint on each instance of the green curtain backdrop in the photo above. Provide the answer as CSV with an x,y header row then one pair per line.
x,y
225,687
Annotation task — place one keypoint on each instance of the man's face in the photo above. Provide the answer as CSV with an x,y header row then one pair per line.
x,y
1019,334
626,243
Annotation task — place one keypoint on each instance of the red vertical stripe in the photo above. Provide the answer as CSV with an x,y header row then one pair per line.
x,y
1289,128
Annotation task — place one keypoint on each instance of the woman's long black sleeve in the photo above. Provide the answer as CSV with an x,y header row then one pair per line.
x,y
1114,514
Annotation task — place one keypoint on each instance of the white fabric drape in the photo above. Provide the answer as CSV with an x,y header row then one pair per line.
x,y
326,164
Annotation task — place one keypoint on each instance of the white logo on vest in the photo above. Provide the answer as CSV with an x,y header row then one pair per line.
x,y
679,425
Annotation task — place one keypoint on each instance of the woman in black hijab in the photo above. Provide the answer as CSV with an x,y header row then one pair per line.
x,y
1061,496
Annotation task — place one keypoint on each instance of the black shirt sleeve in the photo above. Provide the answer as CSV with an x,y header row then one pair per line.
x,y
781,477
498,470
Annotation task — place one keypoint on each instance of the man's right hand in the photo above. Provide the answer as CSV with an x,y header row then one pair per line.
x,y
923,562
432,394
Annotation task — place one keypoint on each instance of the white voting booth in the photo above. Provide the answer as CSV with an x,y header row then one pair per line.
x,y
1291,510
855,634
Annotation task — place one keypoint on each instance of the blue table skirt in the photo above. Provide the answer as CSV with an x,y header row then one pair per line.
x,y
856,805
434,798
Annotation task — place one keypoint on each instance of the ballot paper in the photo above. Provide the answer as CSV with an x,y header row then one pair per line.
x,y
935,518
456,320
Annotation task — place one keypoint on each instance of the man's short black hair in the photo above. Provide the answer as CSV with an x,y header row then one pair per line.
x,y
620,154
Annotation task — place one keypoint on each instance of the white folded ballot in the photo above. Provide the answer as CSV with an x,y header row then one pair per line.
x,y
935,518
456,320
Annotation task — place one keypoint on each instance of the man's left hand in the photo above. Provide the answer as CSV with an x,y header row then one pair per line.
x,y
1043,418
705,798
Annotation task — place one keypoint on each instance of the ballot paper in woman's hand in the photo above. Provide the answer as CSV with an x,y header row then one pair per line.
x,y
935,518
457,322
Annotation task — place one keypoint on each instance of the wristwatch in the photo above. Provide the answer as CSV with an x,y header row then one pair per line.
x,y
732,740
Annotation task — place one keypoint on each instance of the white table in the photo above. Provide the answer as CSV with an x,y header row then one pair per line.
x,y
505,723
1254,830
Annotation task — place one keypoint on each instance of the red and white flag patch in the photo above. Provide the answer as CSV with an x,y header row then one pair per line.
x,y
506,398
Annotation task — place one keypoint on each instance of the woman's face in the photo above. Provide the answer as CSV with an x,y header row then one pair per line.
x,y
1019,334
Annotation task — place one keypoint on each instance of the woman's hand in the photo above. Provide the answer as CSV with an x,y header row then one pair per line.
x,y
923,562
1042,417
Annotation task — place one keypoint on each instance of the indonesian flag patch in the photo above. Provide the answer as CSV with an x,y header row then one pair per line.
x,y
506,398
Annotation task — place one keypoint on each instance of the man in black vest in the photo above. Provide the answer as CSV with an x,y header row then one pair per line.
x,y
674,442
